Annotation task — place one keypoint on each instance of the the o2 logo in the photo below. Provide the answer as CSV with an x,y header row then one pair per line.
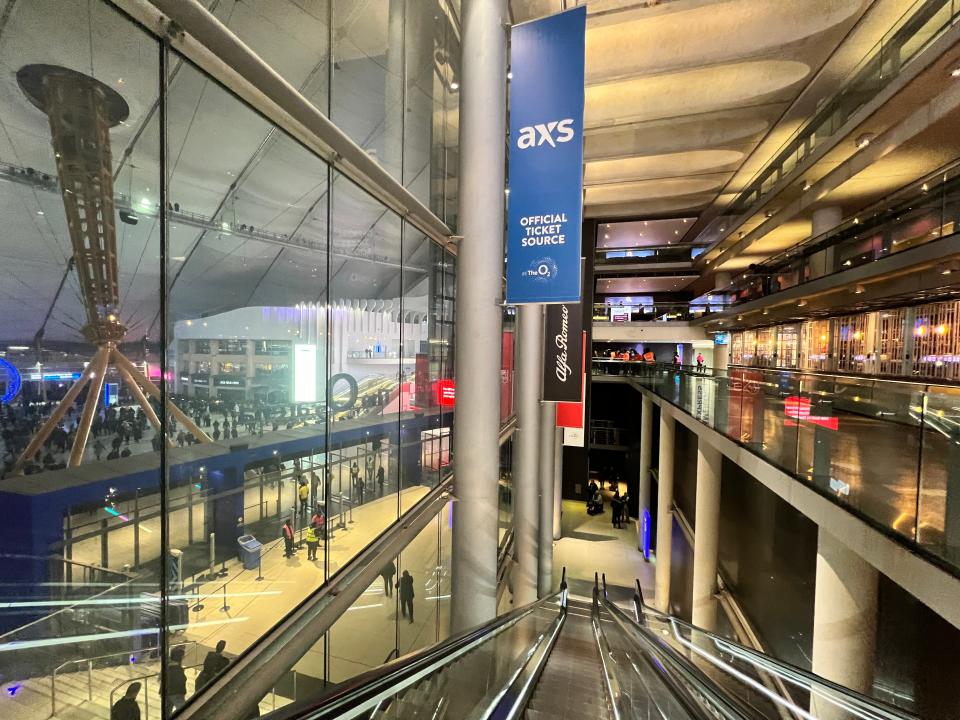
x,y
542,269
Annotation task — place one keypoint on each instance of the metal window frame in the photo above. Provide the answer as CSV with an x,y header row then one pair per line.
x,y
187,27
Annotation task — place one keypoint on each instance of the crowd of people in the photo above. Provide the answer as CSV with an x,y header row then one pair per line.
x,y
121,430
619,504
215,662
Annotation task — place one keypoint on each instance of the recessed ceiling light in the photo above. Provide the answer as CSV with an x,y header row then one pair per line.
x,y
955,72
509,75
454,85
39,212
863,140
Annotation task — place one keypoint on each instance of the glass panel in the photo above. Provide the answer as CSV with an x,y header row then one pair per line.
x,y
79,139
367,343
247,229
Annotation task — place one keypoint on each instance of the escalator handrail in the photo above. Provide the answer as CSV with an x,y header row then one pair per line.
x,y
730,707
403,671
792,673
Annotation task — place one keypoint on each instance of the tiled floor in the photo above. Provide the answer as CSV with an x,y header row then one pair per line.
x,y
590,544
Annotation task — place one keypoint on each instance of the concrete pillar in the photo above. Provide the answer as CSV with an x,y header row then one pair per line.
x,y
824,219
526,453
479,313
721,357
548,421
646,450
706,536
557,480
664,510
844,620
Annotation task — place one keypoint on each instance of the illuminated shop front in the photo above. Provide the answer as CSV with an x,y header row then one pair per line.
x,y
920,342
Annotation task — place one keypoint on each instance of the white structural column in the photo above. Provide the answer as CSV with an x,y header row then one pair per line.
x,y
478,312
548,421
557,479
526,453
706,541
844,620
646,451
823,219
664,510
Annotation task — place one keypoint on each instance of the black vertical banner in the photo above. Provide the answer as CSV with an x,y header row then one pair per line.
x,y
562,353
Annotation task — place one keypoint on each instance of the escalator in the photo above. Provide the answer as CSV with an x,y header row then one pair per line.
x,y
570,659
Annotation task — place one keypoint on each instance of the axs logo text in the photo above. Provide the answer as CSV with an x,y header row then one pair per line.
x,y
541,133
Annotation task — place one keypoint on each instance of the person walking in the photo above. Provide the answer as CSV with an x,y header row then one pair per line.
x,y
368,471
176,684
616,508
387,573
303,492
213,664
287,531
357,483
98,451
701,364
381,479
127,707
313,542
405,586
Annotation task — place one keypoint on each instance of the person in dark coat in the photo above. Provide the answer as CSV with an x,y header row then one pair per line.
x,y
287,531
176,680
616,508
405,586
387,573
127,707
213,664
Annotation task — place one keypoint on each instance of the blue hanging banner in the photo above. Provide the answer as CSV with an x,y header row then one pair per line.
x,y
545,206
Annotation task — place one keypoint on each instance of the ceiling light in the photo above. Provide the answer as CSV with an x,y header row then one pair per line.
x,y
955,72
802,302
770,213
15,348
806,185
454,85
739,318
950,267
924,187
509,75
859,290
39,212
766,311
863,140
506,191
676,232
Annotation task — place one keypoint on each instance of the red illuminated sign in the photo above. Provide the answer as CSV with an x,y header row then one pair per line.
x,y
446,392
798,408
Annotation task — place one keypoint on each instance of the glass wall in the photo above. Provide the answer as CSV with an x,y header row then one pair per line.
x,y
225,368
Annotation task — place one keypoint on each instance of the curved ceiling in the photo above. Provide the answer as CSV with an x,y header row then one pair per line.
x,y
705,35
690,92
653,166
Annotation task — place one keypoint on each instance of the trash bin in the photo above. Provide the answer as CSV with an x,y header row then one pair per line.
x,y
249,551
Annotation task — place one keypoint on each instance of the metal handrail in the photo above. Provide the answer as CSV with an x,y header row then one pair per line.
x,y
869,708
512,701
89,663
681,669
369,689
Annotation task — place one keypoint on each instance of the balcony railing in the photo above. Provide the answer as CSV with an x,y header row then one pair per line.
x,y
886,450
653,312
924,212
652,254
921,24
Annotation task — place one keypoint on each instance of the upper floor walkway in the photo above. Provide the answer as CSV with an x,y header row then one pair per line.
x,y
878,461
